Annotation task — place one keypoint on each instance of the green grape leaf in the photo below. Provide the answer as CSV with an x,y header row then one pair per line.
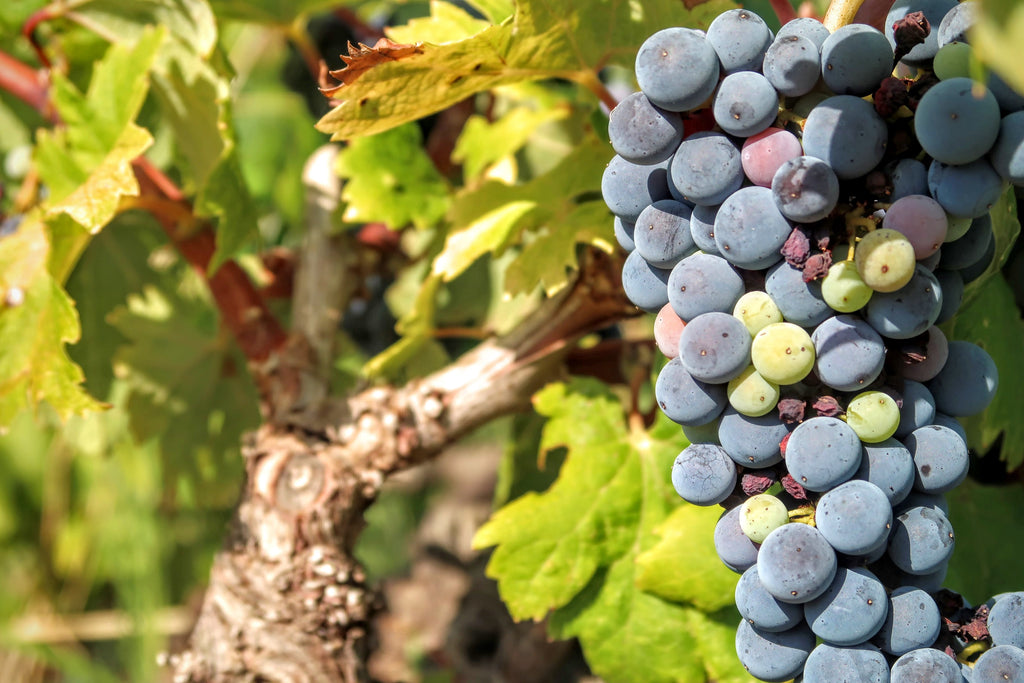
x,y
447,23
495,214
280,12
1006,229
272,164
482,143
984,564
191,21
992,320
683,566
611,491
997,37
114,266
87,162
620,629
716,645
90,197
188,383
416,327
390,179
194,91
550,258
496,11
37,320
488,233
544,39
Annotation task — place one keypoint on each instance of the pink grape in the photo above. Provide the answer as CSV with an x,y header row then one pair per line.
x,y
667,327
764,153
921,220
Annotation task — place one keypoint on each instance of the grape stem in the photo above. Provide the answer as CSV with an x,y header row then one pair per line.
x,y
840,13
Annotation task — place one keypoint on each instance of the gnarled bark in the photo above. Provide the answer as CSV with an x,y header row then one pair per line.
x,y
287,601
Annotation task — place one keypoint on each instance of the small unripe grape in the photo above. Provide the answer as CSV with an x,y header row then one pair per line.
x,y
757,309
873,415
885,260
843,288
783,353
760,515
751,394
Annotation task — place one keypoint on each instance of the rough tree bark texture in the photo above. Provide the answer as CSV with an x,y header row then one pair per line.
x,y
287,601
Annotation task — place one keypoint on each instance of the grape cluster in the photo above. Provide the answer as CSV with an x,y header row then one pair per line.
x,y
801,220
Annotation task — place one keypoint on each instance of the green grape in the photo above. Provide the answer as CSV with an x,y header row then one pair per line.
x,y
958,227
751,394
873,415
782,353
843,288
760,515
885,260
953,61
756,309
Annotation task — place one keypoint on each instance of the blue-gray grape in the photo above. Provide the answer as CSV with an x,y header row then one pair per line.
x,y
918,409
845,132
706,169
849,354
714,347
908,311
1000,664
662,233
851,610
940,458
858,664
644,284
855,59
805,189
854,517
643,132
628,188
686,400
796,564
740,39
746,104
912,622
954,124
702,283
703,474
761,609
792,64
801,302
922,539
750,230
677,69
967,382
735,550
822,453
889,466
752,441
1006,620
773,656
925,665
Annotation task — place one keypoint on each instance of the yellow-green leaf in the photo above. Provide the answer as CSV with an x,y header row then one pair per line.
x,y
544,39
684,567
998,38
37,320
389,178
488,233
